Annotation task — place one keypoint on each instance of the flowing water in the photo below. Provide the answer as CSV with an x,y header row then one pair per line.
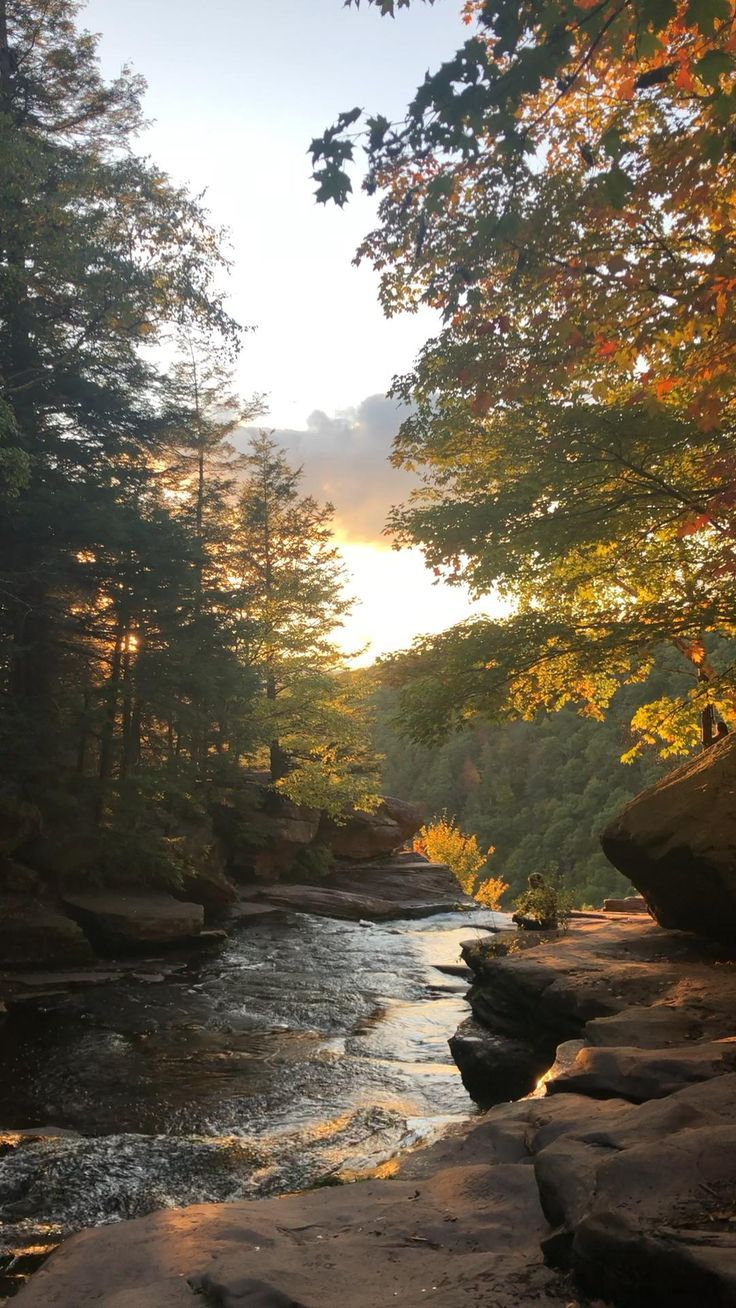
x,y
307,1051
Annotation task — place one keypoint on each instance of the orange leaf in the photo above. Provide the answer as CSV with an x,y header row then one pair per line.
x,y
684,80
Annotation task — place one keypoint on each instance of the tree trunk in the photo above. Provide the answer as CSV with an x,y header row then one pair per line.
x,y
112,694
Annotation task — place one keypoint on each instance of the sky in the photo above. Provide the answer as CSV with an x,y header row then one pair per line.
x,y
237,89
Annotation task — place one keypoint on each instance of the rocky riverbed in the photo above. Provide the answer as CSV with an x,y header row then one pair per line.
x,y
614,1180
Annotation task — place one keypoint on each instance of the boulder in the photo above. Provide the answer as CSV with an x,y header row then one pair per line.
x,y
677,842
370,835
631,904
36,935
494,1067
659,1231
117,921
262,832
641,1074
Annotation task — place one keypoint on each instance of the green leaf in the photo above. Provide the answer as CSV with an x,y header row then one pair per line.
x,y
712,66
704,14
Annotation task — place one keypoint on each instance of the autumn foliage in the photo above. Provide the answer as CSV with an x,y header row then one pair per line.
x,y
442,841
561,192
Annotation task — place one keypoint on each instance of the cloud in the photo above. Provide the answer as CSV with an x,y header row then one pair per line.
x,y
345,461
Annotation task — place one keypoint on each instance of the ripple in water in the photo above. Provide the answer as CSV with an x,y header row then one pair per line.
x,y
305,1052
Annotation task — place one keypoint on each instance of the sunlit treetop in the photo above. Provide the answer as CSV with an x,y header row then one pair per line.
x,y
562,191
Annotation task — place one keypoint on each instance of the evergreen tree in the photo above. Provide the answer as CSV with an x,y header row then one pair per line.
x,y
291,592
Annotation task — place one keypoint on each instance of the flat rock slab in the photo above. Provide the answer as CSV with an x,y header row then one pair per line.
x,y
36,935
641,1074
246,913
655,1027
462,1236
120,921
376,893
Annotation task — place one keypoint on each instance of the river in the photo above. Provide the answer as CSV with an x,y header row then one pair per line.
x,y
305,1052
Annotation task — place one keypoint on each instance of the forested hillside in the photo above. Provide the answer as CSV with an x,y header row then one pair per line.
x,y
538,791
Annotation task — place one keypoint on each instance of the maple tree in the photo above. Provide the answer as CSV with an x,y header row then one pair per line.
x,y
561,192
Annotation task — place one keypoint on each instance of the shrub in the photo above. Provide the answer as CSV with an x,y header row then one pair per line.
x,y
542,904
443,842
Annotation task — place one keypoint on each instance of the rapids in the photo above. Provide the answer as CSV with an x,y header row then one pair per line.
x,y
304,1053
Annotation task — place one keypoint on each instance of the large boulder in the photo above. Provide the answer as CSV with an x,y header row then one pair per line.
x,y
261,832
677,842
371,835
120,922
36,935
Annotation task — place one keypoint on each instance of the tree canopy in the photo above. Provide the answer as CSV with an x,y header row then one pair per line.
x,y
561,192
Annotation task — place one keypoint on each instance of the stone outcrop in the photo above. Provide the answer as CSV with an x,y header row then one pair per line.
x,y
115,921
677,843
37,933
377,891
262,832
371,835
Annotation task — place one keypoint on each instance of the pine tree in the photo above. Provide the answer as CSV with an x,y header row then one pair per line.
x,y
291,593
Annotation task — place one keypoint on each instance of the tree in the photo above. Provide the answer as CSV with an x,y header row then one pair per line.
x,y
290,588
100,254
560,192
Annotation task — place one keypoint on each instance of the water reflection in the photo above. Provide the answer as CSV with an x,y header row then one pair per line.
x,y
303,1052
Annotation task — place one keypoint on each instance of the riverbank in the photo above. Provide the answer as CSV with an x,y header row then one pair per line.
x,y
617,1179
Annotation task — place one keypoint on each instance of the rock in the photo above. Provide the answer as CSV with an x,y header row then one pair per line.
x,y
677,843
207,885
36,935
654,1269
244,912
632,904
659,1232
653,1027
370,835
117,921
241,1290
641,1074
262,832
493,1067
375,892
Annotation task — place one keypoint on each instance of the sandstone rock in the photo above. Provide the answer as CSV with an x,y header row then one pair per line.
x,y
661,1268
369,835
656,1026
654,1235
36,935
641,1074
677,843
375,891
462,1237
116,921
631,904
207,885
493,1067
241,1292
262,832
